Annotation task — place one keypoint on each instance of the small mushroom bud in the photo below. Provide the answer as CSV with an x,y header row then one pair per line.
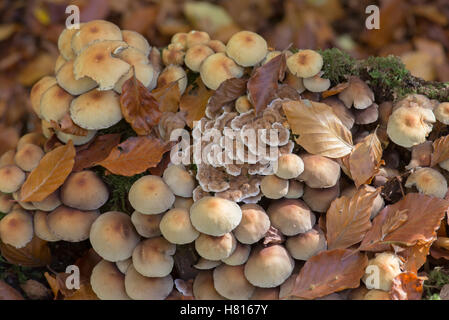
x,y
246,48
428,181
254,224
196,55
230,282
11,178
180,39
289,166
55,103
6,203
368,115
203,287
183,203
295,189
217,46
180,181
290,216
316,83
37,90
7,158
154,257
273,187
28,157
41,228
243,105
139,287
319,172
66,79
177,228
357,93
305,63
173,54
388,265
108,282
319,200
136,40
215,248
217,68
16,228
239,256
196,37
173,73
147,225
305,245
35,138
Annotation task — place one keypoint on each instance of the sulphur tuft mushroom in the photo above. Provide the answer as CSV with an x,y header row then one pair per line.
x,y
6,203
357,94
147,225
319,200
319,172
230,282
305,63
295,189
136,40
41,228
305,245
28,157
316,83
139,287
173,73
386,266
274,187
37,90
108,282
16,228
291,216
217,68
50,203
94,31
195,56
154,257
11,178
55,103
289,166
215,248
428,181
239,256
180,181
176,227
203,287
254,224
66,79
246,48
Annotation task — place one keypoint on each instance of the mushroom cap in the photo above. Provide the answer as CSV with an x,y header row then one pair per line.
x,y
77,140
271,55
204,264
180,38
36,138
428,181
305,63
7,158
319,172
217,68
99,63
176,226
217,45
305,245
41,228
203,287
215,216
410,126
291,216
47,129
247,48
84,190
37,90
230,282
239,256
147,225
65,43
66,80
274,187
71,224
442,112
196,55
294,82
269,267
357,93
96,109
50,203
215,248
25,205
173,73
59,63
55,103
265,294
93,31
150,195
136,40
388,265
289,166
139,287
368,115
108,282
319,200
181,202
295,189
316,83
6,203
124,264
28,156
242,104
254,224
113,236
11,178
194,38
16,228
153,257
180,181
173,54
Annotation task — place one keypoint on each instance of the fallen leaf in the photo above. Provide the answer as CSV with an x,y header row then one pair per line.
x,y
168,97
423,217
35,290
365,160
329,272
139,107
9,293
335,90
439,253
348,219
194,101
135,155
53,283
50,174
67,125
85,292
96,152
228,91
440,151
407,286
263,84
415,256
320,131
35,254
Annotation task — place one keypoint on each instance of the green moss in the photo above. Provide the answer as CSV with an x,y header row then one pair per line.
x,y
121,127
337,65
437,278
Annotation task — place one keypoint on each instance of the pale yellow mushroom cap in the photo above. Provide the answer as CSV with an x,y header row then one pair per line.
x,y
139,287
215,248
386,266
203,287
173,73
274,187
428,181
291,216
239,256
442,112
154,257
136,40
194,38
84,190
25,205
93,31
71,224
305,245
11,178
28,157
242,104
180,39
215,216
319,200
217,46
205,264
289,166
108,282
246,48
230,282
55,103
150,195
124,264
181,202
295,189
36,138
305,63
254,224
196,55
316,83
217,68
177,228
319,172
269,267
113,236
77,140
59,63
7,158
147,225
66,80
99,63
65,42
41,228
180,181
173,54
16,228
6,203
50,203
37,90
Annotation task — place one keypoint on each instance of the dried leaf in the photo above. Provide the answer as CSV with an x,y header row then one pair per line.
x,y
139,107
263,84
440,151
85,292
228,91
424,215
329,272
415,256
320,130
135,155
365,160
35,290
9,293
348,219
67,125
50,174
96,152
407,286
194,101
53,283
35,254
335,90
168,97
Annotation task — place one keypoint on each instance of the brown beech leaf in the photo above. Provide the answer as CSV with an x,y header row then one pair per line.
x,y
168,97
440,150
50,174
35,254
335,90
407,286
415,256
135,155
9,293
365,160
412,220
139,107
228,91
320,131
439,253
194,101
263,84
85,292
97,151
328,272
348,219
67,125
